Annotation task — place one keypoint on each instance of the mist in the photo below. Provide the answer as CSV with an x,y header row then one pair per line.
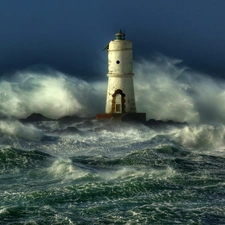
x,y
49,92
164,88
168,90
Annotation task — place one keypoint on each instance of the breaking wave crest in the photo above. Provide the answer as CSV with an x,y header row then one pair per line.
x,y
165,89
206,137
168,90
49,92
15,128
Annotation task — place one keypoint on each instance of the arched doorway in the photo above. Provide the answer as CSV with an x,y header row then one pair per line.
x,y
118,101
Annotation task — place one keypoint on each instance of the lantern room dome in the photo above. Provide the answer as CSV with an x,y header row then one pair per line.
x,y
120,35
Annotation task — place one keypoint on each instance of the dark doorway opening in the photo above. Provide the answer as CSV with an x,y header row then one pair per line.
x,y
118,102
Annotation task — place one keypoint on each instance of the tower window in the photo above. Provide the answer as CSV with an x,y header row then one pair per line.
x,y
118,62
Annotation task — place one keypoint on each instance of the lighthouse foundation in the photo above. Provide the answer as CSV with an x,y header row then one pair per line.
x,y
120,97
123,117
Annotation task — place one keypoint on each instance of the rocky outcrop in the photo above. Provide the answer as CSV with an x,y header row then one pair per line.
x,y
35,117
152,123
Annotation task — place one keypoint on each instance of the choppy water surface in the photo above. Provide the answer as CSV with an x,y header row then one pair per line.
x,y
129,175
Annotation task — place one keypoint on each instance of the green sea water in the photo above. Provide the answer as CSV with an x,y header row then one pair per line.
x,y
132,175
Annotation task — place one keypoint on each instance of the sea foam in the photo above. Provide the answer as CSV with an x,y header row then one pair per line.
x,y
165,89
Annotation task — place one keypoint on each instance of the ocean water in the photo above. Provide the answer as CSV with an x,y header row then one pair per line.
x,y
129,174
77,172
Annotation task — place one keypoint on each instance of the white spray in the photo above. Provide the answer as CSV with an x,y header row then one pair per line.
x,y
164,89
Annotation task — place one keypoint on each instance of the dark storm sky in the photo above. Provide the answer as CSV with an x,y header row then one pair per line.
x,y
69,35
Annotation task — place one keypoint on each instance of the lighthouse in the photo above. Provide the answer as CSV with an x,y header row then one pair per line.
x,y
120,96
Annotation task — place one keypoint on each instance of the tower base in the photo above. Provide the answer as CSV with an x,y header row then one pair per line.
x,y
124,117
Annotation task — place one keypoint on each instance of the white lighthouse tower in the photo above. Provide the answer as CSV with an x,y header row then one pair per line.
x,y
120,98
120,94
